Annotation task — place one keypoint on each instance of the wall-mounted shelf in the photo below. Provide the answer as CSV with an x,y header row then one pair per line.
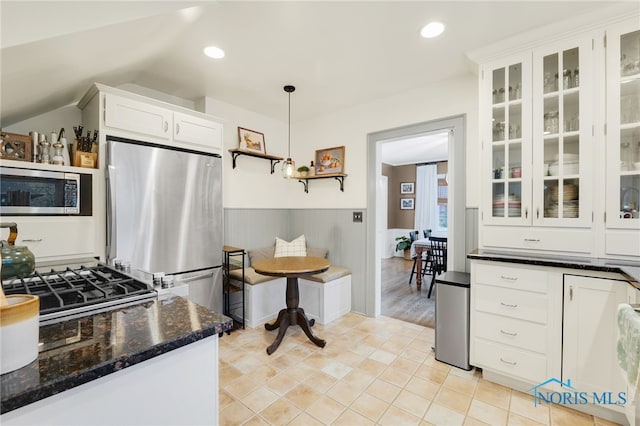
x,y
235,153
337,176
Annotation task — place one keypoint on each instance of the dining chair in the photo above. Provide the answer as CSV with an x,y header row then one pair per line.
x,y
438,251
426,259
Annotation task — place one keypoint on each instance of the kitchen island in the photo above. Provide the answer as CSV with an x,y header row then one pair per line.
x,y
151,363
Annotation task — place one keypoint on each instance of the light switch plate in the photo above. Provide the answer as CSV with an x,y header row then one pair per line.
x,y
357,216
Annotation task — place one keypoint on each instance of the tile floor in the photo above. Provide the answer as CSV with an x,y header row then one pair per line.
x,y
373,371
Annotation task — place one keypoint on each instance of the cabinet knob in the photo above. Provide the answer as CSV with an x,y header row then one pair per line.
x,y
177,128
166,126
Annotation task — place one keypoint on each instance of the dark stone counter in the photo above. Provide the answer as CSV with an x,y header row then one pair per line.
x,y
80,350
628,269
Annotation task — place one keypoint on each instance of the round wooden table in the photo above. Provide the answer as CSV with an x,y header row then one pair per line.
x,y
292,267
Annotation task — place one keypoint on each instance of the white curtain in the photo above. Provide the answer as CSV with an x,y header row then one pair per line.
x,y
426,214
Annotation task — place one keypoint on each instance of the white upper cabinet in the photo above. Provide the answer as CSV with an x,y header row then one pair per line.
x,y
196,132
135,116
623,139
559,124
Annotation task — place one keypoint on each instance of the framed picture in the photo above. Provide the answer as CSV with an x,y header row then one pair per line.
x,y
406,203
406,187
330,160
251,141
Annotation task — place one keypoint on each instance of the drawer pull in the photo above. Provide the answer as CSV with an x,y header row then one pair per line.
x,y
508,333
508,305
532,240
508,362
509,278
31,240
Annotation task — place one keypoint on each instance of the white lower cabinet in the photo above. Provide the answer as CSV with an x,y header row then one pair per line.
x,y
516,321
531,324
590,335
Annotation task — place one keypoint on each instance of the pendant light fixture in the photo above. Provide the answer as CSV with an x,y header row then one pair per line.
x,y
289,166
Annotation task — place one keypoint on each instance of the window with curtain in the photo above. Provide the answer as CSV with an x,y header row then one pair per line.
x,y
427,214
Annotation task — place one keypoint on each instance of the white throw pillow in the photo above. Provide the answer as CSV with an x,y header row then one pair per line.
x,y
297,247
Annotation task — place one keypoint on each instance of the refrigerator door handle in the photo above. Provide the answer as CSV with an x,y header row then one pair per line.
x,y
112,225
198,277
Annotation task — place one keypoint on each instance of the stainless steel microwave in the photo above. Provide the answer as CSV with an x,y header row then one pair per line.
x,y
44,192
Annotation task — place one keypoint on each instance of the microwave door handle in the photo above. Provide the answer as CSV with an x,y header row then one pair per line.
x,y
112,226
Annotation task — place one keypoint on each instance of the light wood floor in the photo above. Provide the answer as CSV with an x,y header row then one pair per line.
x,y
401,300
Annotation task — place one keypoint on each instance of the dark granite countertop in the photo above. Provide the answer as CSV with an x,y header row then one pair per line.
x,y
629,269
80,350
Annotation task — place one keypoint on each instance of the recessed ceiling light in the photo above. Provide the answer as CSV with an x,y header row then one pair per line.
x,y
214,52
432,29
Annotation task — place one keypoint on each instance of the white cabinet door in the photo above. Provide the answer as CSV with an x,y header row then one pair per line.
x,y
505,122
139,117
623,139
53,238
590,334
197,133
563,99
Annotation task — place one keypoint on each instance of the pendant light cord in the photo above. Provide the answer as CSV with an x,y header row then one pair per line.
x,y
289,125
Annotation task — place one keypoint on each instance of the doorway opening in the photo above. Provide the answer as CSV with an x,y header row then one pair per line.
x,y
455,128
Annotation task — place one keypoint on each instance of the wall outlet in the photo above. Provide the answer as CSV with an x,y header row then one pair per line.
x,y
357,216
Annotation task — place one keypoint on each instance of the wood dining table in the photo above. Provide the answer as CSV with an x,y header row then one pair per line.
x,y
292,267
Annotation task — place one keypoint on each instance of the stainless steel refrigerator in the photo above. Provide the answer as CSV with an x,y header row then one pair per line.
x,y
164,211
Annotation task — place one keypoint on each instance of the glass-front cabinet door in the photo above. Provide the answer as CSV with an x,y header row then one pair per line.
x,y
507,141
623,127
562,134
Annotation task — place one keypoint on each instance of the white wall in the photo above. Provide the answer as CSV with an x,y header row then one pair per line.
x,y
67,117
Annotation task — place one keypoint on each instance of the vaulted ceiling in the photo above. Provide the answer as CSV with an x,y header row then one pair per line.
x,y
338,54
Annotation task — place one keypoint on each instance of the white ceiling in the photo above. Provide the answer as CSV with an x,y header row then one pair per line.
x,y
338,54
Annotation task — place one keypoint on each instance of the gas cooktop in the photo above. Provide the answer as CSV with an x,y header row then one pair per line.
x,y
74,292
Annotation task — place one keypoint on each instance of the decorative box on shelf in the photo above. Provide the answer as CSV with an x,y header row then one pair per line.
x,y
14,146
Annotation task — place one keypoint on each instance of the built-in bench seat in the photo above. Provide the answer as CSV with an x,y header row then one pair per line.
x,y
324,297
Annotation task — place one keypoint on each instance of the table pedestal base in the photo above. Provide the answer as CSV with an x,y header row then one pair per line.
x,y
292,315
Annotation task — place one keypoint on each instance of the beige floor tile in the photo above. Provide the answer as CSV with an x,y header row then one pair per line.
x,y
279,413
382,356
372,340
470,421
320,381
424,388
369,406
224,399
260,399
434,363
517,420
256,421
317,360
383,390
487,413
562,416
351,418
603,422
412,403
371,367
235,414
394,416
522,405
336,369
242,386
454,400
302,396
343,392
326,409
429,373
460,384
305,419
439,415
363,348
394,377
406,365
349,358
414,354
494,394
228,374
358,379
281,383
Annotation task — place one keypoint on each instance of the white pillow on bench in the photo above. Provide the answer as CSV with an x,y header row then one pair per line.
x,y
297,247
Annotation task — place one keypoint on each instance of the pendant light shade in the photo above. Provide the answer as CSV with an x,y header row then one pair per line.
x,y
289,166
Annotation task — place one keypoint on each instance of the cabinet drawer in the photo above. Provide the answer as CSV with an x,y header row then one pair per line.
x,y
511,331
511,303
510,361
58,237
543,239
499,274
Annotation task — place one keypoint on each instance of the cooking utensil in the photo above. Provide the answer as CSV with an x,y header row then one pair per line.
x,y
16,260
